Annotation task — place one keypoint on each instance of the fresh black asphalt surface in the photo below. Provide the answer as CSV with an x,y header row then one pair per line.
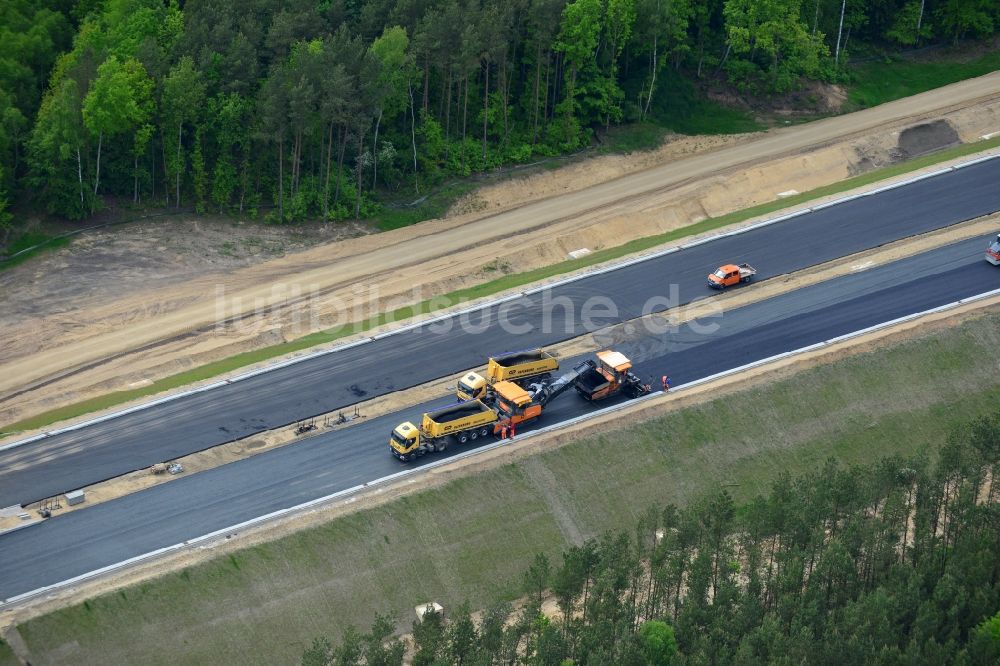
x,y
94,453
76,543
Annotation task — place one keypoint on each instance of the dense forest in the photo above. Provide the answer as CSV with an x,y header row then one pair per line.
x,y
314,107
892,563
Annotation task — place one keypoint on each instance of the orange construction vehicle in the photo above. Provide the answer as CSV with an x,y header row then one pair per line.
x,y
731,274
514,405
993,252
594,381
610,375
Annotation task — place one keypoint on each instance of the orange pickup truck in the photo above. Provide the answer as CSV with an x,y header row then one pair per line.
x,y
731,274
993,252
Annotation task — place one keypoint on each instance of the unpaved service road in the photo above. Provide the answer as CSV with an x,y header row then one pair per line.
x,y
433,243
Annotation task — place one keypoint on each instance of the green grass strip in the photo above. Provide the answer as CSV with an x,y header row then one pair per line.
x,y
489,288
7,656
434,205
45,243
879,82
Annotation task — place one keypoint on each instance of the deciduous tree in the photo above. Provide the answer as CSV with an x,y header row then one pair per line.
x,y
119,101
181,98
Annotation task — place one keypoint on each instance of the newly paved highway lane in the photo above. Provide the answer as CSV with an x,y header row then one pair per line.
x,y
83,541
77,458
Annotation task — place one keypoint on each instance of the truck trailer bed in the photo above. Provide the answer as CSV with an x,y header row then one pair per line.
x,y
520,357
458,411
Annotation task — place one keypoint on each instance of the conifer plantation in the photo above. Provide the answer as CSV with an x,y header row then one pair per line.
x,y
890,563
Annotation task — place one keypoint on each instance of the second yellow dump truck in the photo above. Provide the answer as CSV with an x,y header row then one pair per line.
x,y
517,367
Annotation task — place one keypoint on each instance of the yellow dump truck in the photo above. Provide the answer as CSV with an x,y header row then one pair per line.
x,y
517,367
463,421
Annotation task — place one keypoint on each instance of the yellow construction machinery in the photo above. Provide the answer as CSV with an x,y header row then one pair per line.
x,y
519,367
509,404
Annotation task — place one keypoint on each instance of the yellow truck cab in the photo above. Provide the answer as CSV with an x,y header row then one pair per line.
x,y
471,387
404,440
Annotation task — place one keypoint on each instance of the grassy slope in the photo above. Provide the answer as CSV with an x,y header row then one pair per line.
x,y
403,213
7,656
473,537
27,240
879,82
680,107
488,288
